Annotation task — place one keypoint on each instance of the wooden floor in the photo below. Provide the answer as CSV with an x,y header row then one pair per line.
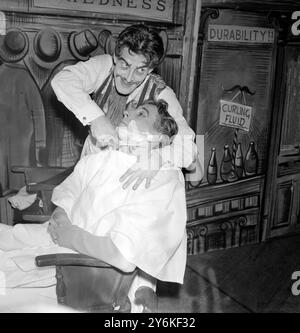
x,y
253,278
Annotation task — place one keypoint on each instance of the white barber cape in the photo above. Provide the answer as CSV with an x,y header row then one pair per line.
x,y
146,225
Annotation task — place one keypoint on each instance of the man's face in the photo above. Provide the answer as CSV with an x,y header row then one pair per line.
x,y
130,71
141,119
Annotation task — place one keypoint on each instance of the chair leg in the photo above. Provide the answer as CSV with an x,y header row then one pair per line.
x,y
93,289
147,297
60,286
6,211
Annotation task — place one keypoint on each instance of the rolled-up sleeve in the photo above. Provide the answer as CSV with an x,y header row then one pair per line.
x,y
74,84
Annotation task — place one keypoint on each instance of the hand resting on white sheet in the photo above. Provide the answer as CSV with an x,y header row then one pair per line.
x,y
22,236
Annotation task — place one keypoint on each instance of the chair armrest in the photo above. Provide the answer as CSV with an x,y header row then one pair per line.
x,y
69,259
37,174
33,188
8,192
50,183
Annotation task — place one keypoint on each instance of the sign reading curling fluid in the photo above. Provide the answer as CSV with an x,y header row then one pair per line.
x,y
235,115
147,9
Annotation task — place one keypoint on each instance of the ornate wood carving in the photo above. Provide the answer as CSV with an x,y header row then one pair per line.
x,y
220,217
212,13
222,233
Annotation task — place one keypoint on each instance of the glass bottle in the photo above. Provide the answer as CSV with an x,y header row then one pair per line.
x,y
227,172
238,162
212,168
251,161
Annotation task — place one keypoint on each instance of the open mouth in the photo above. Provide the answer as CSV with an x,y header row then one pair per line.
x,y
127,84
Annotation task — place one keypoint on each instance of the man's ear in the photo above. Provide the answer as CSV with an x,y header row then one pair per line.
x,y
164,140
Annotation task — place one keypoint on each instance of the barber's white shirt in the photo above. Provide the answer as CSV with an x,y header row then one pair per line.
x,y
74,84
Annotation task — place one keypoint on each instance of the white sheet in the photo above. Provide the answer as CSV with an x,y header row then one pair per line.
x,y
146,225
24,287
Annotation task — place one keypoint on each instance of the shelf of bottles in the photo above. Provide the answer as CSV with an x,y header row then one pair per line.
x,y
233,167
224,212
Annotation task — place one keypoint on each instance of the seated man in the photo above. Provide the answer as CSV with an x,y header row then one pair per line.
x,y
127,229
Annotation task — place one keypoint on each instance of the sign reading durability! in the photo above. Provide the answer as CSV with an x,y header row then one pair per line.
x,y
147,9
240,34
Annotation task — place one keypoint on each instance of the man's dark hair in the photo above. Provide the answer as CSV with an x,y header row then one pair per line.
x,y
143,40
165,123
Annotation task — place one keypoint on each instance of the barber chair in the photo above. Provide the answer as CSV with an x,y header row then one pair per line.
x,y
90,285
83,283
6,211
41,181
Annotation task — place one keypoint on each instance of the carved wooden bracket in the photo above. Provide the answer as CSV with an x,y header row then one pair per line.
x,y
213,13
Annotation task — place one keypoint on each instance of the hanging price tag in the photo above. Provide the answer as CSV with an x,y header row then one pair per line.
x,y
235,115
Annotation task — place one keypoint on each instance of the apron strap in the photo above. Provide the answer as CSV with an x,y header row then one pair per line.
x,y
143,94
98,96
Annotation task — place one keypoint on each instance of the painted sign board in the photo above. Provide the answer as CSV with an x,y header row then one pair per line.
x,y
235,115
240,34
146,9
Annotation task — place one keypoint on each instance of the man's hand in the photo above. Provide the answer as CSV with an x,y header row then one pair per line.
x,y
61,232
103,132
58,219
138,174
143,169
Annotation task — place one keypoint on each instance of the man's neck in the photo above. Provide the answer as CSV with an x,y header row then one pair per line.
x,y
138,150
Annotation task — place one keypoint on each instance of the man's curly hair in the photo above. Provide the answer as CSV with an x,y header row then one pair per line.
x,y
143,40
165,123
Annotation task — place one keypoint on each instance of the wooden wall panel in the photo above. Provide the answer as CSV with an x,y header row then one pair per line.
x,y
225,65
290,136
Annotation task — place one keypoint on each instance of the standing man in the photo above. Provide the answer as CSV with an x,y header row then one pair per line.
x,y
116,81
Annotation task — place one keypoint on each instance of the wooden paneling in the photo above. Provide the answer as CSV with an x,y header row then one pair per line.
x,y
290,136
228,214
189,55
180,9
282,203
14,5
286,215
6,211
222,216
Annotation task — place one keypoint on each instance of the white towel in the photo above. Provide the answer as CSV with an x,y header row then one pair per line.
x,y
22,199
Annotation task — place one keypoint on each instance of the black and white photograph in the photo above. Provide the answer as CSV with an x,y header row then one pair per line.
x,y
150,159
